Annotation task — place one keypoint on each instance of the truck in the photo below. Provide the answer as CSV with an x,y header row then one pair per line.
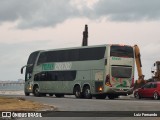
x,y
156,71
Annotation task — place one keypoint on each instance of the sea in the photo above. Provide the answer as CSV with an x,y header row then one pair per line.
x,y
11,87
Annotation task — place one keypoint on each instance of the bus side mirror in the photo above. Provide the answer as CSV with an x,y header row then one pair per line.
x,y
21,70
29,65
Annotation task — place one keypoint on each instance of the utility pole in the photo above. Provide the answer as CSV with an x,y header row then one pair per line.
x,y
85,36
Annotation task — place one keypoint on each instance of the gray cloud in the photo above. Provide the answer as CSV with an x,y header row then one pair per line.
x,y
127,10
17,9
36,13
49,13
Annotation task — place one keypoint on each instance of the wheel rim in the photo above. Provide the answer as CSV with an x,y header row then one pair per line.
x,y
77,93
87,92
137,95
155,96
37,91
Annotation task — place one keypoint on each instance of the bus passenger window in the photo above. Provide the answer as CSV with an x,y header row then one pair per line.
x,y
56,78
43,76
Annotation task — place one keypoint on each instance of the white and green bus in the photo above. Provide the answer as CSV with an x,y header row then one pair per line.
x,y
100,71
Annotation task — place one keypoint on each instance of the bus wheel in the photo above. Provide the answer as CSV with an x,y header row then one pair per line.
x,y
36,91
100,96
27,94
111,96
77,92
59,95
87,92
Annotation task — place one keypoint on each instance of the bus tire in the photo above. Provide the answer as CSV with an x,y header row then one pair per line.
x,y
27,94
101,96
87,92
77,92
59,95
36,91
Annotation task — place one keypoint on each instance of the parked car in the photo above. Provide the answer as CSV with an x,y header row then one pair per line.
x,y
149,90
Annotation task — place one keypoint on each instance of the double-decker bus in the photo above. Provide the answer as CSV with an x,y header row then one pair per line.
x,y
100,71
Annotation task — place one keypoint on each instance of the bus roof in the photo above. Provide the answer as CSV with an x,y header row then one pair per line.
x,y
81,47
69,48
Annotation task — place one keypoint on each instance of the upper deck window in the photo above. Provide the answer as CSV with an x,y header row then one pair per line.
x,y
122,51
95,53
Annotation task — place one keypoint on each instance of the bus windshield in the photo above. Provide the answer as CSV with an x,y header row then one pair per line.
x,y
31,60
121,72
122,51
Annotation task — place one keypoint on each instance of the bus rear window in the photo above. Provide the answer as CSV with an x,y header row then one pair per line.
x,y
122,51
121,72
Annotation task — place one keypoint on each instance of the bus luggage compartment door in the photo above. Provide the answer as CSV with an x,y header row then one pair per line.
x,y
98,79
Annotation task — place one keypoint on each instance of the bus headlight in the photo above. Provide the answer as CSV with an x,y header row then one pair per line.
x,y
30,87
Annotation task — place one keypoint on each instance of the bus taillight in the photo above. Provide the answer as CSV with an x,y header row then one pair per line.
x,y
100,89
107,82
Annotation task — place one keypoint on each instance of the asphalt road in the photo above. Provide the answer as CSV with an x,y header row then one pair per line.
x,y
70,103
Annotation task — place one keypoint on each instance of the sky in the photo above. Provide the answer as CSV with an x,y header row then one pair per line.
x,y
30,25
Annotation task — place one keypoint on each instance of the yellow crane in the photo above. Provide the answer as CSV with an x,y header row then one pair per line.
x,y
140,80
